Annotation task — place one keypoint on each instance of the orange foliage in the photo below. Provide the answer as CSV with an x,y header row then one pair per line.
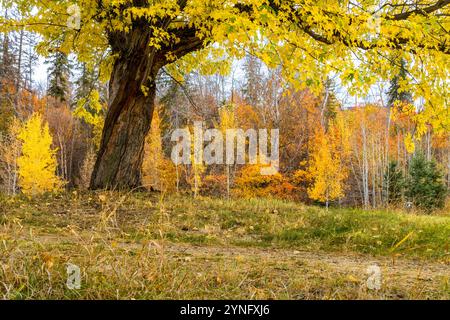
x,y
251,183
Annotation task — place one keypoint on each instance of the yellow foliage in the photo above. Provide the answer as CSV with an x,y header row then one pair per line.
x,y
227,118
409,143
247,116
37,164
195,178
319,36
326,170
94,116
158,173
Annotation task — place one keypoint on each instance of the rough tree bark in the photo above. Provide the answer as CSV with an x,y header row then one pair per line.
x,y
131,102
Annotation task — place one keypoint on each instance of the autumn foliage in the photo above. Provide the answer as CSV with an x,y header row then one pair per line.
x,y
353,90
37,163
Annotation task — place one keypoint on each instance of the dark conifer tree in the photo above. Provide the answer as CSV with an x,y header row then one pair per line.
x,y
59,73
425,186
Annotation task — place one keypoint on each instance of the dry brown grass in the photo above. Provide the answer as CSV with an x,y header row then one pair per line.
x,y
151,247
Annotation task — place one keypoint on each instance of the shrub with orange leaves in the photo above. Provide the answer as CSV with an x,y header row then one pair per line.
x,y
251,183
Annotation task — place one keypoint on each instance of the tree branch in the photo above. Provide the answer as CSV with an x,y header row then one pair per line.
x,y
420,11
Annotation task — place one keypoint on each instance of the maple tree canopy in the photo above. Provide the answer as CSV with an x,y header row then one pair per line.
x,y
361,41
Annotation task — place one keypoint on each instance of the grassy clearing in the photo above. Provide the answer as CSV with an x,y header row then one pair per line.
x,y
149,246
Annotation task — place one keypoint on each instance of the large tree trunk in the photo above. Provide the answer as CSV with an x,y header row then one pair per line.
x,y
132,90
131,103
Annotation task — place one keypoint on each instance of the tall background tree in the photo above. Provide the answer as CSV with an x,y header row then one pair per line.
x,y
59,72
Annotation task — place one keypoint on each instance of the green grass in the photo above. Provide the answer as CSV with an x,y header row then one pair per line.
x,y
149,246
254,222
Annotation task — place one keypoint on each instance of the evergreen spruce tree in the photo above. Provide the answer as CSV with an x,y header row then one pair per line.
x,y
86,82
405,98
59,74
425,186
